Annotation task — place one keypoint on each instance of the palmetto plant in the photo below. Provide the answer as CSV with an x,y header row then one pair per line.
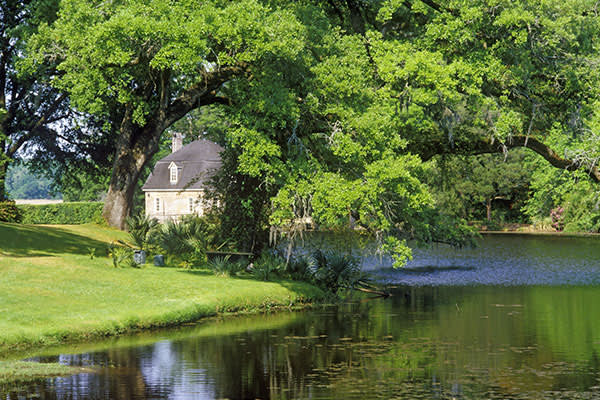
x,y
334,271
185,240
300,269
222,266
121,256
268,266
140,229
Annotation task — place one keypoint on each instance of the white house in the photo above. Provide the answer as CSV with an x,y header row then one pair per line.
x,y
178,183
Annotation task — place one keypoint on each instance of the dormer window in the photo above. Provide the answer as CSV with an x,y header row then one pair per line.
x,y
173,172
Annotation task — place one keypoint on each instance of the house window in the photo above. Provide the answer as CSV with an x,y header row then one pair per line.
x,y
173,174
191,204
157,204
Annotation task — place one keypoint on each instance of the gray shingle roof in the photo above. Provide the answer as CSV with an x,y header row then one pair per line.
x,y
196,163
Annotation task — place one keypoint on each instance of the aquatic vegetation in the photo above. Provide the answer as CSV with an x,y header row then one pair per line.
x,y
12,372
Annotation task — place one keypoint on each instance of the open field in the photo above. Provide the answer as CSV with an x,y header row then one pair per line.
x,y
51,291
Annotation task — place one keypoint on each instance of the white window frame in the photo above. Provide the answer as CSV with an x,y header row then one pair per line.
x,y
173,175
157,204
191,205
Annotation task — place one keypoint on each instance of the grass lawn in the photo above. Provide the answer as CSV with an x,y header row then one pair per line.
x,y
51,291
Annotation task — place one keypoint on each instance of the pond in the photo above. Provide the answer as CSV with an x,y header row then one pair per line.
x,y
495,322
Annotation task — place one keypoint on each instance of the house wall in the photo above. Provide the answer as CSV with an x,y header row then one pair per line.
x,y
173,205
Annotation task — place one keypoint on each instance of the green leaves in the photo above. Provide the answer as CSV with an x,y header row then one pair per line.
x,y
120,52
323,117
258,155
383,200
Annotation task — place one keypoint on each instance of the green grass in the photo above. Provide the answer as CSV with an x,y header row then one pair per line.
x,y
12,372
51,292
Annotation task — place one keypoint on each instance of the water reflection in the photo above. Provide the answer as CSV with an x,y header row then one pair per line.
x,y
441,342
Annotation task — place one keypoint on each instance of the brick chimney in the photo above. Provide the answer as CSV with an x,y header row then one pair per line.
x,y
176,142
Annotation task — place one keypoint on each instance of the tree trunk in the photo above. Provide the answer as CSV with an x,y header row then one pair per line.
x,y
135,147
3,173
488,208
4,159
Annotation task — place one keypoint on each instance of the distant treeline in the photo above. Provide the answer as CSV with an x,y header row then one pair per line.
x,y
22,183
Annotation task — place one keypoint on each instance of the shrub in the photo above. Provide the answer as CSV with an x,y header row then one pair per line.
x,y
63,213
299,269
184,241
121,256
141,228
221,266
267,266
334,271
558,218
9,212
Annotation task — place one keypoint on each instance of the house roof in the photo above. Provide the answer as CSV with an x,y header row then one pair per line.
x,y
196,164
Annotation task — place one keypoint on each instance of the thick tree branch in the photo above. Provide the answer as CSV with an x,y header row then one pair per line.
x,y
34,129
201,92
3,62
488,145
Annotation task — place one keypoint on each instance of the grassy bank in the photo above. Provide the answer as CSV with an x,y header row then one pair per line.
x,y
52,292
15,372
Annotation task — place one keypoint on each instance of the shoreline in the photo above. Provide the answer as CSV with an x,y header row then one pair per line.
x,y
18,350
60,288
540,233
14,370
525,229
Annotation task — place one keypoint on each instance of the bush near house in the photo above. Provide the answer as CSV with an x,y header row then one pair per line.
x,y
62,213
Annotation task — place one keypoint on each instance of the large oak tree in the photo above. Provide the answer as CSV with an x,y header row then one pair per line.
x,y
334,104
155,61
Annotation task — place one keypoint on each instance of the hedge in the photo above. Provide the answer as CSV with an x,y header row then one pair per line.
x,y
9,212
62,213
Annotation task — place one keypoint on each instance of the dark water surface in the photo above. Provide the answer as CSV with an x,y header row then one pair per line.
x,y
518,339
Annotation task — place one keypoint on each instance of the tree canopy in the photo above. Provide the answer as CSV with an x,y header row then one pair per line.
x,y
30,108
332,106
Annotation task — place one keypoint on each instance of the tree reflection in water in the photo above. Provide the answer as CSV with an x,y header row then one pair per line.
x,y
445,342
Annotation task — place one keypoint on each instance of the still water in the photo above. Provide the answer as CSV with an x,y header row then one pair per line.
x,y
493,323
